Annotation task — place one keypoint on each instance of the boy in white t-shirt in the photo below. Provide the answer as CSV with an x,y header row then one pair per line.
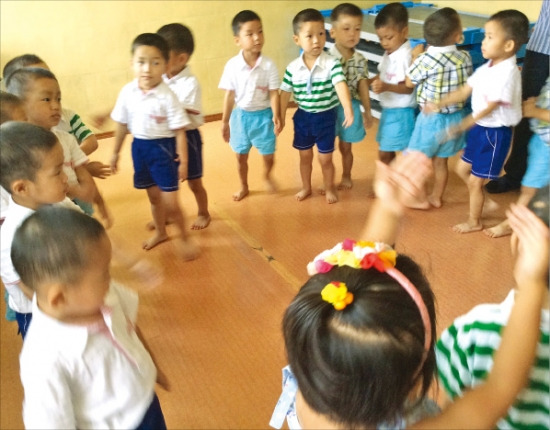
x,y
251,81
495,88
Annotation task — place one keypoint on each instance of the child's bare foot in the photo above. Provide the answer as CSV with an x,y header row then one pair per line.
x,y
434,201
466,227
201,222
321,190
187,249
331,197
241,194
498,231
154,241
303,194
345,184
414,204
270,185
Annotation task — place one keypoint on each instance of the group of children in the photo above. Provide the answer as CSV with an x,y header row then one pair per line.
x,y
356,364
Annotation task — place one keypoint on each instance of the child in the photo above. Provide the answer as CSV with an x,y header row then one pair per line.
x,y
31,160
250,80
397,100
360,333
495,88
537,174
346,21
318,83
152,113
39,90
465,350
436,72
82,364
70,121
186,86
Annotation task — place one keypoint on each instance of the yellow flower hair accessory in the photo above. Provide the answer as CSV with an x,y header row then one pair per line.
x,y
337,294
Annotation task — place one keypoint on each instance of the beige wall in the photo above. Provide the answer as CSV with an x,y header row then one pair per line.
x,y
86,43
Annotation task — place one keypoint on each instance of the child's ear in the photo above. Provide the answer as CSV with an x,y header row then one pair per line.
x,y
55,296
184,57
296,40
19,187
236,40
331,32
509,46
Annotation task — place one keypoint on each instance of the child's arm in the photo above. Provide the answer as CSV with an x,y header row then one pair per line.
x,y
182,151
469,121
363,87
228,103
89,144
530,110
98,170
392,185
378,86
103,211
484,405
120,133
284,100
344,96
85,189
453,97
274,100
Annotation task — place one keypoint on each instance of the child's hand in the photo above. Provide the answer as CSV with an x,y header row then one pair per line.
x,y
377,86
99,120
98,169
430,108
367,120
417,50
105,215
147,273
277,126
113,164
533,242
182,171
225,131
529,107
348,119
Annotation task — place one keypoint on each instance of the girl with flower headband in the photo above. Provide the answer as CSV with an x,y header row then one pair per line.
x,y
360,333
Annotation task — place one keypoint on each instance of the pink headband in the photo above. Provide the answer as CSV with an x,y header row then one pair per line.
x,y
364,255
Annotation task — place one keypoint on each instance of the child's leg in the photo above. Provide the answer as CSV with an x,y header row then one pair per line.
x,y
188,250
504,229
327,167
306,167
159,218
386,157
441,174
242,161
347,163
269,161
475,188
203,217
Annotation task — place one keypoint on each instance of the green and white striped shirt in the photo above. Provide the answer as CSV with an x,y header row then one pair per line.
x,y
465,357
314,89
72,123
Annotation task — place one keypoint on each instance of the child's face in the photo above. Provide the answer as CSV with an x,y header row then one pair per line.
x,y
346,32
391,37
176,63
50,182
495,44
85,299
311,38
42,102
251,37
149,65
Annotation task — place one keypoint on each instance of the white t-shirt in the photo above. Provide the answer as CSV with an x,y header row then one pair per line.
x,y
4,202
251,84
73,156
188,90
393,70
499,83
154,114
84,377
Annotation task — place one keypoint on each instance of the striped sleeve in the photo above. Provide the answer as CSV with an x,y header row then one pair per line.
x,y
79,129
286,84
337,73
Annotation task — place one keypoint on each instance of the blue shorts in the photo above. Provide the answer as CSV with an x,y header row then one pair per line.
x,y
315,128
356,131
154,418
23,322
395,128
429,128
486,150
252,128
194,154
154,163
537,174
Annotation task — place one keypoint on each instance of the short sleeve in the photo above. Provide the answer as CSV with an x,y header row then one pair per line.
x,y
286,84
128,299
177,116
417,72
120,111
337,73
226,81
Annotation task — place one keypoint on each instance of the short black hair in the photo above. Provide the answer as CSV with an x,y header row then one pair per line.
x,y
152,39
306,15
53,245
393,14
359,365
515,24
22,150
241,18
178,37
8,102
18,82
440,26
19,62
345,9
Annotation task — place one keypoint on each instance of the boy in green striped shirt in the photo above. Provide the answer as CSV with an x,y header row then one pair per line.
x,y
318,83
465,351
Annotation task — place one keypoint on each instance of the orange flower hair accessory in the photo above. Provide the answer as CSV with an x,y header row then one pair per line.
x,y
337,294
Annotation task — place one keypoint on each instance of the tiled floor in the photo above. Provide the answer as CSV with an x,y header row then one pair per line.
x,y
215,322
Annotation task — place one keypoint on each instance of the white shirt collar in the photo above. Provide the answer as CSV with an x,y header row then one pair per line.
x,y
244,65
184,73
436,49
